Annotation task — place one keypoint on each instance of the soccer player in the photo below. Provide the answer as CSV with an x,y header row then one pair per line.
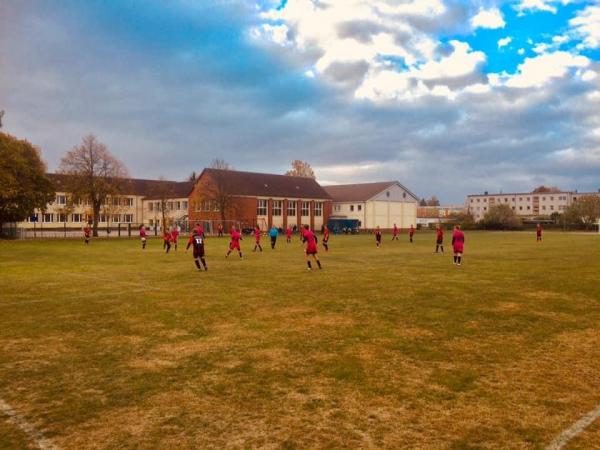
x,y
378,237
236,236
143,236
198,242
273,233
458,244
200,230
411,232
87,232
220,230
326,238
288,234
311,247
175,236
439,239
395,233
257,238
167,238
538,233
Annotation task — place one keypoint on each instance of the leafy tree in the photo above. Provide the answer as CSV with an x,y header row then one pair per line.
x,y
584,211
501,217
464,219
545,190
300,169
433,201
24,185
93,175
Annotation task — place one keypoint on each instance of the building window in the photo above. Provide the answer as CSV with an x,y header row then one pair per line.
x,y
404,195
551,198
471,200
215,206
62,218
261,210
520,199
277,206
185,205
387,194
61,200
178,205
528,198
150,206
102,218
305,209
318,209
115,201
528,208
485,208
128,201
544,198
351,207
552,207
170,206
520,208
478,200
291,208
116,218
47,218
76,218
128,218
485,200
359,207
544,207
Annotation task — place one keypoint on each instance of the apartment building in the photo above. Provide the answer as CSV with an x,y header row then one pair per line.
x,y
524,204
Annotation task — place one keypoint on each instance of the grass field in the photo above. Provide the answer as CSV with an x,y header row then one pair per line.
x,y
107,346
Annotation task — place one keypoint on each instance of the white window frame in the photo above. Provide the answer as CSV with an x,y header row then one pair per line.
x,y
61,199
277,207
76,218
128,218
49,216
291,208
305,209
318,209
261,207
117,217
61,217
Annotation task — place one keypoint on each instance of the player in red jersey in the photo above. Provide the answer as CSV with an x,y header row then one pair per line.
x,y
378,237
175,236
143,236
197,242
538,233
257,238
200,230
439,239
458,244
220,230
87,232
395,233
236,236
167,238
288,234
311,247
411,233
326,238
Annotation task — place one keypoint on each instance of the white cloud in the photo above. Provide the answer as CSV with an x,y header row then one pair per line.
x,y
537,71
491,18
521,51
536,5
504,41
586,26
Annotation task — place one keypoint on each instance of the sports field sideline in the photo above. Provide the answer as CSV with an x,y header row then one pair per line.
x,y
109,346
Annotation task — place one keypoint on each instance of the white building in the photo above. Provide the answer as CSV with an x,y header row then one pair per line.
x,y
374,204
524,204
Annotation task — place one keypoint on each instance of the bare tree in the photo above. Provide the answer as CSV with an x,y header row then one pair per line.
x,y
300,169
93,174
193,176
163,191
220,164
216,190
1,116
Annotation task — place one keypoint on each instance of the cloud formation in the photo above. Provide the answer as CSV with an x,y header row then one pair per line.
x,y
363,90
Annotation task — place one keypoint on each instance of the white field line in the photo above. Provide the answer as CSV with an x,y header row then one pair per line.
x,y
20,422
575,429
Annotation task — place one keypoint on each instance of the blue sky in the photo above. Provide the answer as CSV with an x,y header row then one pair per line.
x,y
449,97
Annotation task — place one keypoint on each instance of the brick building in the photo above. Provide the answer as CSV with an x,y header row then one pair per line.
x,y
258,198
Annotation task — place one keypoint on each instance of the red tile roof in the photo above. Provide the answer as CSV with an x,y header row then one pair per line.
x,y
269,185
